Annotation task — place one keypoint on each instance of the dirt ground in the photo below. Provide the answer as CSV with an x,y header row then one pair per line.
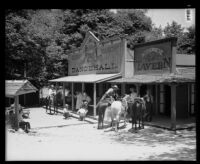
x,y
54,138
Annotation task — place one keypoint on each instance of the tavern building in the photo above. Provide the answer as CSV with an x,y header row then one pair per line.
x,y
97,65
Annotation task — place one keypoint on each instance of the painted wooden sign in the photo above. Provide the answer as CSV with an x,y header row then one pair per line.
x,y
95,57
153,57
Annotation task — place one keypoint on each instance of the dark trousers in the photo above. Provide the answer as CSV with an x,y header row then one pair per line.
x,y
24,125
149,108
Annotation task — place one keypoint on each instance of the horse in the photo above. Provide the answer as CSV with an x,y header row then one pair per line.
x,y
137,110
119,108
101,108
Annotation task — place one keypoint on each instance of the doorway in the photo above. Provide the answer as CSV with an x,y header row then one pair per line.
x,y
167,100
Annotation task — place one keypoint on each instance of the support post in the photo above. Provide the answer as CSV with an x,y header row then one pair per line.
x,y
24,99
138,89
72,96
83,87
9,101
63,95
56,104
156,99
94,98
173,107
17,111
123,88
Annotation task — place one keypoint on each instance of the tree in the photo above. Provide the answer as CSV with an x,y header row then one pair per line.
x,y
173,30
187,42
37,41
186,39
154,34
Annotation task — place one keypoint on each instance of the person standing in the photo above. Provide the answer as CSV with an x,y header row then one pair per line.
x,y
79,100
86,97
110,93
133,94
148,98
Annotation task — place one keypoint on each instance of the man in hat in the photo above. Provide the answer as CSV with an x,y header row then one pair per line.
x,y
133,93
110,93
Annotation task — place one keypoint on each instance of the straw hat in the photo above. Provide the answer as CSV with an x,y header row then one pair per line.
x,y
115,86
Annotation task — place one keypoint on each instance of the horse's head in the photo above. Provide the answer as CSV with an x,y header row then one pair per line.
x,y
140,102
125,100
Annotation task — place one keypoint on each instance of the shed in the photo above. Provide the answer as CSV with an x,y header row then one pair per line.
x,y
14,88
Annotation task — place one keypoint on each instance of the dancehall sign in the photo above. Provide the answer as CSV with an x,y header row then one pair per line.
x,y
155,58
96,58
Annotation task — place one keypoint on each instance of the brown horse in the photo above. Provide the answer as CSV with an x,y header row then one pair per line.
x,y
137,110
101,107
118,108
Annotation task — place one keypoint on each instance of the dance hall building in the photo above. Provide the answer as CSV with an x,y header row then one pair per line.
x,y
155,65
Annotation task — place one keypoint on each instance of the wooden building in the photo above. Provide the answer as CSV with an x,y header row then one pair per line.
x,y
96,65
15,88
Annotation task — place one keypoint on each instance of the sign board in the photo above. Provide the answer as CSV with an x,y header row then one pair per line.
x,y
96,58
153,57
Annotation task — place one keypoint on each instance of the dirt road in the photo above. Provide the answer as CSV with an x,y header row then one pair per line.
x,y
59,139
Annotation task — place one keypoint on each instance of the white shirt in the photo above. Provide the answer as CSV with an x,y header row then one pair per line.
x,y
79,100
87,98
133,95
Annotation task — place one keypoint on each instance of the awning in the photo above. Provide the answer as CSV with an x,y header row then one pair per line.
x,y
91,78
18,87
164,78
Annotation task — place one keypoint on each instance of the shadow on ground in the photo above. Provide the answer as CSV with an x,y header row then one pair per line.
x,y
183,154
151,136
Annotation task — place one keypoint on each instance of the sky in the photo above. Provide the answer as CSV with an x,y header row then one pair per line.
x,y
164,16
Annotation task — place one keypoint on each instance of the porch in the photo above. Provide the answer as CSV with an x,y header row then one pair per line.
x,y
165,122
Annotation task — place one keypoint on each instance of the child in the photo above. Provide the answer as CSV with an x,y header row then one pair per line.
x,y
66,113
83,110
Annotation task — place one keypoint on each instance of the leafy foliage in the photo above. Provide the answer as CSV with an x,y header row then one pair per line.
x,y
37,41
186,40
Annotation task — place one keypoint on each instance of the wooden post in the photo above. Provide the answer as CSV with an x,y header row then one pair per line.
x,y
56,104
156,99
63,95
173,107
188,89
17,111
94,98
24,99
82,87
9,101
100,90
72,96
123,88
138,89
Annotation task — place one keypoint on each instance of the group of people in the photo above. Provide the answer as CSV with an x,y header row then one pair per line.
x,y
148,99
83,100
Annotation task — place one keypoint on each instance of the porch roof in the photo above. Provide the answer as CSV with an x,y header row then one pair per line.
x,y
89,78
182,75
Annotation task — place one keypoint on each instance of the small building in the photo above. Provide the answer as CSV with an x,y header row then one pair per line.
x,y
26,100
15,88
155,65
